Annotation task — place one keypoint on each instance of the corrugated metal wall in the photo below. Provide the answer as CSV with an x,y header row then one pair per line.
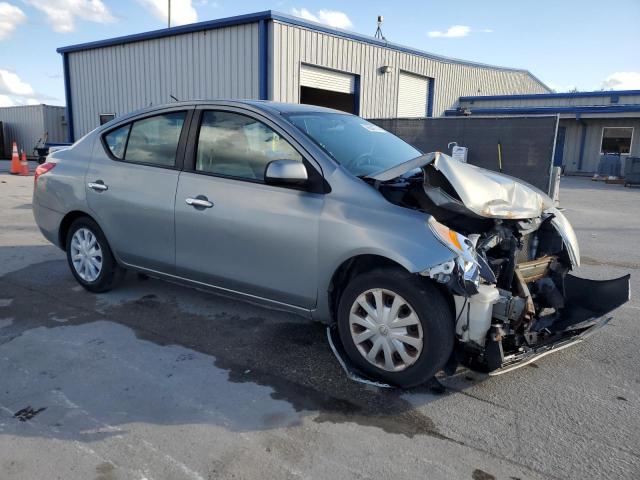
x,y
220,63
292,45
593,141
26,124
551,102
55,123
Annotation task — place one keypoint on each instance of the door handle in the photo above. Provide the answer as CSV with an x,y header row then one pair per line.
x,y
98,186
199,202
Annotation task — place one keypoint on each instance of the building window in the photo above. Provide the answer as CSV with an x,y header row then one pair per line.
x,y
106,117
616,140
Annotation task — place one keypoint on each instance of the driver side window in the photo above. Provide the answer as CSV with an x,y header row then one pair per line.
x,y
238,146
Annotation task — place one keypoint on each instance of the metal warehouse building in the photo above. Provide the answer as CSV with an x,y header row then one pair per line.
x,y
27,124
590,123
272,56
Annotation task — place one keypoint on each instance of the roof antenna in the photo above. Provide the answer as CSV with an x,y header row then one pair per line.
x,y
379,34
174,98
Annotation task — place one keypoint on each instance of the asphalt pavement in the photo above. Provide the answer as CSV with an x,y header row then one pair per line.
x,y
159,381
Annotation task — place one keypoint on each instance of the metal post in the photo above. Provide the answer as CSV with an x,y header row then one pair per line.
x,y
169,15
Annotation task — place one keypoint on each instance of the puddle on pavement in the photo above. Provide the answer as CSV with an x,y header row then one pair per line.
x,y
273,368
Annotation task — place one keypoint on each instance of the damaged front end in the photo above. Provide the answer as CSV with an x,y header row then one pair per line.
x,y
515,299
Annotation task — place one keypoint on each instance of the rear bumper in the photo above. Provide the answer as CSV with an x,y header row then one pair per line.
x,y
48,222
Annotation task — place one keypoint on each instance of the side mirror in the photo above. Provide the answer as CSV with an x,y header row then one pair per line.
x,y
286,172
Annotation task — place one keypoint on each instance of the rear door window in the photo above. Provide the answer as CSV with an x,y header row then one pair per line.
x,y
154,140
116,141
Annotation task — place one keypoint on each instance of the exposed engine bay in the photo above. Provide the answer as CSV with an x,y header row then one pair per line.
x,y
513,295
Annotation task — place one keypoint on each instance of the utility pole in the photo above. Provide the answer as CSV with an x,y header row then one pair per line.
x,y
169,15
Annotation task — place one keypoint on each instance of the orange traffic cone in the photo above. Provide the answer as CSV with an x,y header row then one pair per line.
x,y
15,160
24,166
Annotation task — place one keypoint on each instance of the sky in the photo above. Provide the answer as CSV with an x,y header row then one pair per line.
x,y
568,44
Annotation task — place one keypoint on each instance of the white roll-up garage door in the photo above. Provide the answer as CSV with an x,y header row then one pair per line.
x,y
316,77
413,95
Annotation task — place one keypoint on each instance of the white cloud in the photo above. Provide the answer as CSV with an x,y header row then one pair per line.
x,y
15,91
456,31
622,81
12,84
6,101
10,17
62,14
333,18
453,31
182,11
304,13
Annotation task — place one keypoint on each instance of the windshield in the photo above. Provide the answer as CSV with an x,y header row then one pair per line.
x,y
360,146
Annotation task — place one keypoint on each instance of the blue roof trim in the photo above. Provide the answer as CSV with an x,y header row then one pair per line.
x,y
535,96
281,17
548,110
168,32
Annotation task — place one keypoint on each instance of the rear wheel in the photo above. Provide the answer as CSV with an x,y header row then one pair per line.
x,y
90,258
395,326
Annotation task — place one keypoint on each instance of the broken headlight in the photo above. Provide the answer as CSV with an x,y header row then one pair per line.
x,y
461,246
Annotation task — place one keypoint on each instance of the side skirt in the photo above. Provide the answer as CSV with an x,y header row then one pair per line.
x,y
225,292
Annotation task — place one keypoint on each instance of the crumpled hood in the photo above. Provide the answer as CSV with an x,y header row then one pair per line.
x,y
491,194
486,193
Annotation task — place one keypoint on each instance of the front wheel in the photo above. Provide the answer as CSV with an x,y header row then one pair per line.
x,y
395,326
90,258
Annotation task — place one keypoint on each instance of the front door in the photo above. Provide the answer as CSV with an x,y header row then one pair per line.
x,y
234,231
131,185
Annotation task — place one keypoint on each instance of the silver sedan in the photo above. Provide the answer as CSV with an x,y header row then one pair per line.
x,y
417,262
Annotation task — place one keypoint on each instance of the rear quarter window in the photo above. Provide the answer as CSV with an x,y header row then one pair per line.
x,y
116,141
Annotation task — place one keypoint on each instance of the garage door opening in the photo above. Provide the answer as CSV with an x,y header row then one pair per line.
x,y
413,96
328,88
326,98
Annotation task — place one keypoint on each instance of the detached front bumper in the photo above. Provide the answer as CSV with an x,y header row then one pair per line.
x,y
587,308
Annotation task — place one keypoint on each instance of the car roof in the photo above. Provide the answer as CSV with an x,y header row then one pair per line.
x,y
283,107
266,105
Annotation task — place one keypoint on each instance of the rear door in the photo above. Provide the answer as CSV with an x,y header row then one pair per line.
x,y
250,237
131,186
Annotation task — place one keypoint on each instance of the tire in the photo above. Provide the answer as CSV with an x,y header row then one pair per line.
x,y
94,279
434,325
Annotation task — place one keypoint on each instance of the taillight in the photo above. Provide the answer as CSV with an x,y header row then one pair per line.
x,y
41,170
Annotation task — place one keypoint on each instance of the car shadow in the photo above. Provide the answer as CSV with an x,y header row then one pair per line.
x,y
160,353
